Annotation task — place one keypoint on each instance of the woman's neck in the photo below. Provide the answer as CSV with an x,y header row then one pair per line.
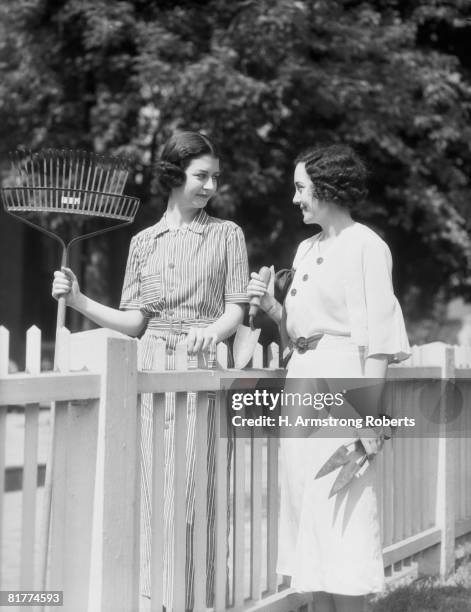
x,y
335,222
177,216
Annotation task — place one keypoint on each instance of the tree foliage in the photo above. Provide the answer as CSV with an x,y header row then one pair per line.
x,y
266,79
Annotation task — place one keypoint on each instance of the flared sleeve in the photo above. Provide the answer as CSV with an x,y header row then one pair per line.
x,y
376,316
237,268
130,296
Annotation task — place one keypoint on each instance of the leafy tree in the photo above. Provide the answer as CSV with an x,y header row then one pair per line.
x,y
266,78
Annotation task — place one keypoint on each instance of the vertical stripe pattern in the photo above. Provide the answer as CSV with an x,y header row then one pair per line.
x,y
180,278
188,273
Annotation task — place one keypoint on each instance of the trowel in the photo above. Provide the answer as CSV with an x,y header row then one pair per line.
x,y
246,338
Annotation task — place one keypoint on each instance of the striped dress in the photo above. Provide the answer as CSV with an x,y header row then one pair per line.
x,y
180,278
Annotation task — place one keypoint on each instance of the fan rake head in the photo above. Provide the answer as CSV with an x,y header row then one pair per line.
x,y
79,185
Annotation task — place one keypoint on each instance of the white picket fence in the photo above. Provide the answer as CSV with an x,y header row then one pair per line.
x,y
425,483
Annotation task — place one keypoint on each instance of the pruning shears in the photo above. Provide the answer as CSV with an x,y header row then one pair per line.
x,y
353,460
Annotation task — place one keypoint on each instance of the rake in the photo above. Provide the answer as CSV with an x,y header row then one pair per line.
x,y
58,192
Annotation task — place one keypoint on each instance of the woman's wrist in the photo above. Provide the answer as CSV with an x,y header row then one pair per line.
x,y
214,329
80,303
273,310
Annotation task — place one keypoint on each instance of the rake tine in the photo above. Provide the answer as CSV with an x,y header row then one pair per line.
x,y
24,165
18,163
23,161
124,176
42,192
127,208
69,160
93,186
87,184
37,179
105,190
74,173
55,170
116,178
43,177
78,184
37,173
106,185
33,178
99,188
51,176
62,161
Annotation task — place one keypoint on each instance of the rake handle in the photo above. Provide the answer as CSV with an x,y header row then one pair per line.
x,y
47,494
61,306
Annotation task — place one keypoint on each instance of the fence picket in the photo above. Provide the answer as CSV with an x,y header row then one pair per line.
x,y
181,445
201,488
158,483
54,503
273,358
239,519
256,504
221,494
410,505
4,357
272,514
204,446
30,470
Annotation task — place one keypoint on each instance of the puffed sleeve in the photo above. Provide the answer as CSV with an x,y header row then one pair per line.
x,y
237,268
130,296
384,320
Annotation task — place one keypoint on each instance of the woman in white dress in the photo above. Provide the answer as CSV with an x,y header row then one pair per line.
x,y
342,320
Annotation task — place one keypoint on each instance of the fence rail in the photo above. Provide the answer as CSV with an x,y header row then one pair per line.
x,y
424,483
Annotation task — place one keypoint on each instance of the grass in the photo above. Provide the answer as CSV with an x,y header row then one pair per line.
x,y
430,595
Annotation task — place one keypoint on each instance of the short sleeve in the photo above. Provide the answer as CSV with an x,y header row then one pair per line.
x,y
130,296
385,322
237,268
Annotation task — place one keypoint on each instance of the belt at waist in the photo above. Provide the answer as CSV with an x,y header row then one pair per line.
x,y
303,344
176,326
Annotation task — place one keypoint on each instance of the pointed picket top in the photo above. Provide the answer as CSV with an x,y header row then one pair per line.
x,y
273,356
257,359
33,350
62,350
4,350
181,356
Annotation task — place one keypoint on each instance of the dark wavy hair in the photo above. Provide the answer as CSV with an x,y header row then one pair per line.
x,y
337,173
178,152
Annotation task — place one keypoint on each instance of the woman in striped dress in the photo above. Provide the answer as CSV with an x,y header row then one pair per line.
x,y
185,280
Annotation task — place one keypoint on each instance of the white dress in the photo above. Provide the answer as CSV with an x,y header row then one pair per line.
x,y
334,545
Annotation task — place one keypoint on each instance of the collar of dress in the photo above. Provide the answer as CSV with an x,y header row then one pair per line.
x,y
197,225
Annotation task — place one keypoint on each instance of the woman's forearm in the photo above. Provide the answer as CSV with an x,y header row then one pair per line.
x,y
129,322
227,323
376,366
375,374
274,311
